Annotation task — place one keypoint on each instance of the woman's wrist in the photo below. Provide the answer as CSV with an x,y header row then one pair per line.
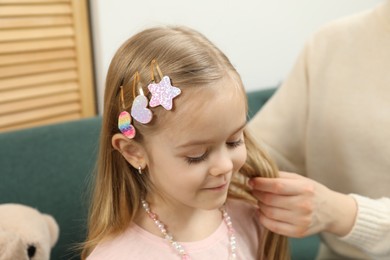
x,y
343,211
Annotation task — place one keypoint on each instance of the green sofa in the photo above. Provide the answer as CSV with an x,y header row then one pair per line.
x,y
49,168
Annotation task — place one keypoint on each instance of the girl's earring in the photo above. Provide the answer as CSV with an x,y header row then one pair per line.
x,y
124,120
140,170
139,109
163,92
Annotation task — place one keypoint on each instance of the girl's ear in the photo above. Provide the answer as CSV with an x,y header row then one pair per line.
x,y
132,151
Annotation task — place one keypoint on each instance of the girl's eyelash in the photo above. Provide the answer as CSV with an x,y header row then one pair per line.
x,y
191,160
235,144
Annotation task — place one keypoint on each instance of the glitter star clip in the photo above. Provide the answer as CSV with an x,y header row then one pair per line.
x,y
163,93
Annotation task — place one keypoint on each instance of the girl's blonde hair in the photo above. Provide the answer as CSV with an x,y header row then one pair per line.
x,y
190,60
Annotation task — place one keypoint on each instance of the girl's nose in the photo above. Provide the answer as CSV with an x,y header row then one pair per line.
x,y
221,163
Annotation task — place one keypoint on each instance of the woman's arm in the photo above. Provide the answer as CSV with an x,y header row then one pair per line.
x,y
297,206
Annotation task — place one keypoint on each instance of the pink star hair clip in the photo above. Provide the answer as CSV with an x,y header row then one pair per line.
x,y
163,92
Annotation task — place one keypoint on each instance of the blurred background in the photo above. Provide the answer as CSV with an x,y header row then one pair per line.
x,y
54,54
261,38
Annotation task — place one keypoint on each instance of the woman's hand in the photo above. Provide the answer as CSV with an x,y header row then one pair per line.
x,y
295,206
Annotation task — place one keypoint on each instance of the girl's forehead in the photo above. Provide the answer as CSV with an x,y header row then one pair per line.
x,y
212,110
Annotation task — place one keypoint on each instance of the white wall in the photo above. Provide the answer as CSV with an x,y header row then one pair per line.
x,y
261,38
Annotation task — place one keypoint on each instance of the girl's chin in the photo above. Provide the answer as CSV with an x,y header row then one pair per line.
x,y
215,203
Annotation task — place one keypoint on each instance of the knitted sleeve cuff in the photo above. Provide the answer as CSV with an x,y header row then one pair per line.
x,y
371,231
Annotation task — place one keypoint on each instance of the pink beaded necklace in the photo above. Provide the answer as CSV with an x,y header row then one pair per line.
x,y
178,247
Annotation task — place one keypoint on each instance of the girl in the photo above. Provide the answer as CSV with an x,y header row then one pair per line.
x,y
172,169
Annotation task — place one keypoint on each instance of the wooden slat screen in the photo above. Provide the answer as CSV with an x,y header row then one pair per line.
x,y
45,62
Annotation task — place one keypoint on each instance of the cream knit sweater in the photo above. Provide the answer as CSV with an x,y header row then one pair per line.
x,y
330,121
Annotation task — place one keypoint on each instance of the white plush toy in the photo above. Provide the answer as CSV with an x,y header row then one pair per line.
x,y
25,233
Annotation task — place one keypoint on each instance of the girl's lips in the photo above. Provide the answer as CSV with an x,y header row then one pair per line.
x,y
220,187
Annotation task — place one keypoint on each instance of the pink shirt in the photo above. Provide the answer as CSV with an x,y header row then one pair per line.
x,y
137,243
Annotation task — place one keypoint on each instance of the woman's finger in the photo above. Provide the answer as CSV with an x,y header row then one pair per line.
x,y
287,216
289,175
281,186
283,228
299,204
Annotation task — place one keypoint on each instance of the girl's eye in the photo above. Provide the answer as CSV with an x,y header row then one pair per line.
x,y
235,144
191,160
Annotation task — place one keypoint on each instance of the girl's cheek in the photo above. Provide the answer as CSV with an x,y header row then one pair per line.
x,y
241,157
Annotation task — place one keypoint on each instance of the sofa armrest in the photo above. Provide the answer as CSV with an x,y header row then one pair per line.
x,y
48,168
257,99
